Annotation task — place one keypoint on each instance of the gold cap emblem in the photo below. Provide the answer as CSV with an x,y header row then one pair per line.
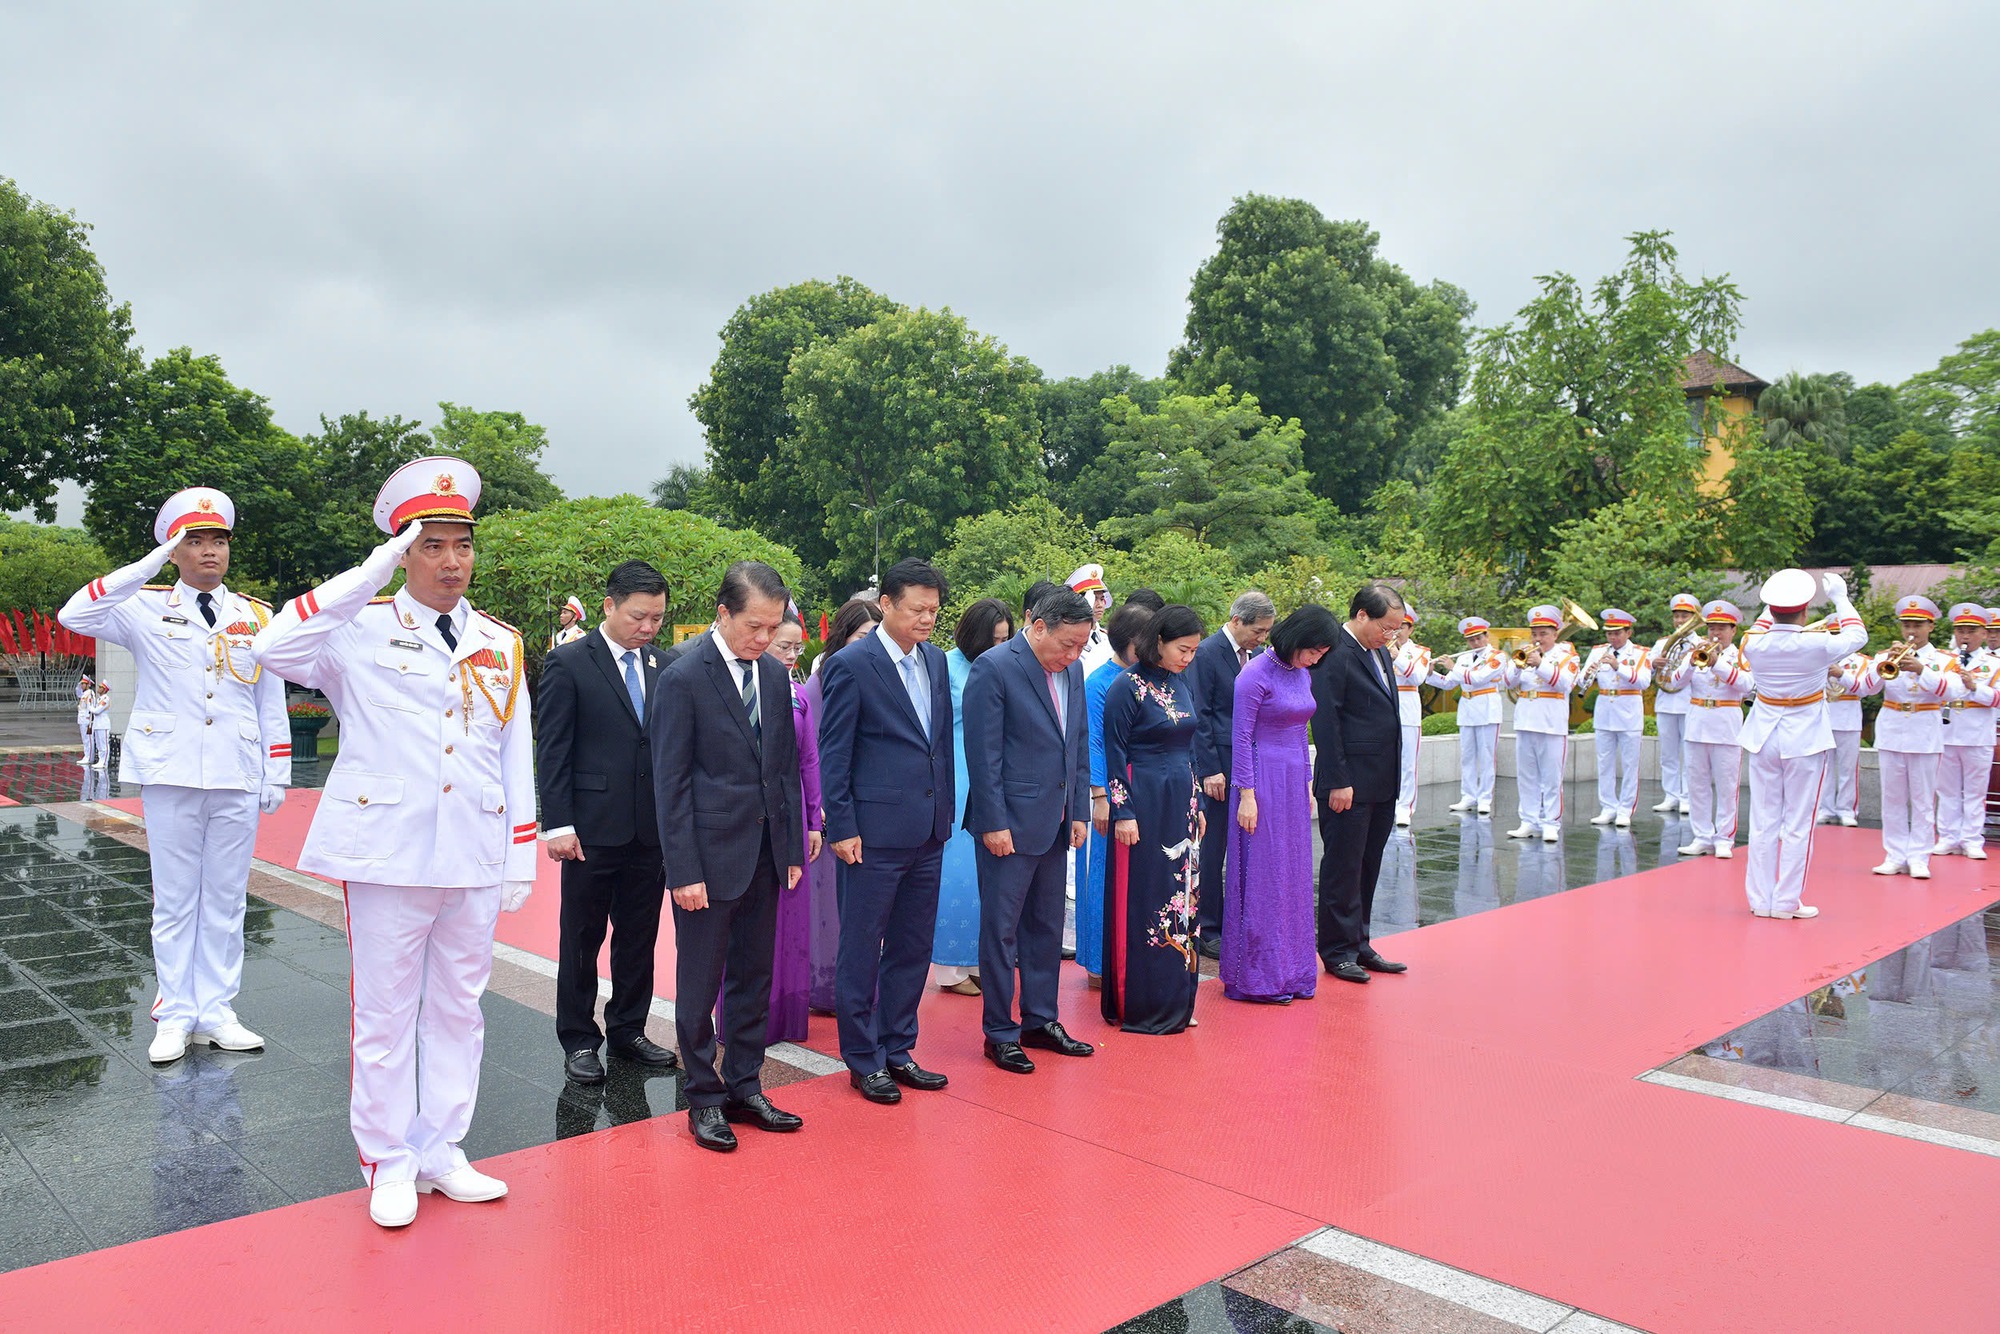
x,y
443,485
205,505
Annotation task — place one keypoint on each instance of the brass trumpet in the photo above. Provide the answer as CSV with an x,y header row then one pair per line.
x,y
1896,660
1704,653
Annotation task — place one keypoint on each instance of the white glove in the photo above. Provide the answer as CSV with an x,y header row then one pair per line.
x,y
274,797
515,893
163,554
1833,585
381,563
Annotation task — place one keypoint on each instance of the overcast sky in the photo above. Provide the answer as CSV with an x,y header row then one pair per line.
x,y
553,209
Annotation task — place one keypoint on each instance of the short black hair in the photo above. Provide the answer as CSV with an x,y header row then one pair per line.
x,y
633,576
1124,625
745,577
1169,623
1145,597
1038,590
847,622
975,628
912,573
1063,607
1311,626
1375,600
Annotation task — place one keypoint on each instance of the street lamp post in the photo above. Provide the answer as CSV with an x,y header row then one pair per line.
x,y
875,513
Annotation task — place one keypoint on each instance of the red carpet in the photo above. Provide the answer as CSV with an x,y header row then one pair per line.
x,y
1481,1110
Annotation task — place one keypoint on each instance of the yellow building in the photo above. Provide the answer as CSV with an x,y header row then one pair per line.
x,y
1720,395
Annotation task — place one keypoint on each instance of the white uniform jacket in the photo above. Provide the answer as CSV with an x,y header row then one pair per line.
x,y
1476,675
1790,711
1671,696
1716,693
203,714
1621,678
435,784
1972,713
1412,667
1913,703
1843,697
1543,703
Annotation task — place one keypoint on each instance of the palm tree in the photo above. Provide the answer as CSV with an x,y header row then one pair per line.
x,y
1801,410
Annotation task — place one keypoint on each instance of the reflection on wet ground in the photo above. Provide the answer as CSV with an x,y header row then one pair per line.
x,y
35,778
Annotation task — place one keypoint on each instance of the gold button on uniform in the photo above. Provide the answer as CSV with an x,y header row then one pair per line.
x,y
208,722
361,801
447,787
447,713
447,750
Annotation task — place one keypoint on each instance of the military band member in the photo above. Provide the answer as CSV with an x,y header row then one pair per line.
x,y
1670,714
1909,737
1717,680
1476,675
1541,681
1411,663
208,744
428,816
1840,793
1965,765
1619,670
1788,735
570,627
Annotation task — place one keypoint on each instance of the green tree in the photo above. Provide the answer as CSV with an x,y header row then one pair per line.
x,y
528,561
1076,429
1212,466
910,423
744,414
1903,502
41,566
1763,518
65,353
1577,404
506,448
685,487
1181,569
349,459
1875,416
1805,411
1304,314
1634,554
1030,539
1961,397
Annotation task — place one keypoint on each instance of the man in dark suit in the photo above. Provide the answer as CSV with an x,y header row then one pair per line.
x,y
1212,676
594,773
885,772
1357,768
732,837
1027,766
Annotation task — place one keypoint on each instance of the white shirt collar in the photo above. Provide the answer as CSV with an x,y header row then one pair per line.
x,y
617,653
896,655
729,658
416,616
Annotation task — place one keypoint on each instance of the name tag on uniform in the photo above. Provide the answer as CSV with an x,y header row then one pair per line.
x,y
409,644
175,620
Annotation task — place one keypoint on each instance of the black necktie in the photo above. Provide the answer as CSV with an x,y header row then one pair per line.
x,y
444,629
206,601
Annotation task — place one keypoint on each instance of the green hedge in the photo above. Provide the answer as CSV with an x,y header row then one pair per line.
x,y
1441,724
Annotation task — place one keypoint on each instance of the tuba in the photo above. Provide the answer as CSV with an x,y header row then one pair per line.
x,y
1676,645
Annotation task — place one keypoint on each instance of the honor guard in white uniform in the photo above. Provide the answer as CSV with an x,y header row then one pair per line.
x,y
1411,664
1541,679
428,816
1717,680
1619,670
1965,766
1476,674
1088,580
571,627
1788,735
1840,793
207,744
1670,713
86,690
1909,737
100,726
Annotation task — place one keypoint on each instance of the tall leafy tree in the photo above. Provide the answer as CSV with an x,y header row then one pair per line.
x,y
65,353
41,565
911,422
349,458
1076,427
1960,398
506,448
1304,314
744,414
685,487
1805,411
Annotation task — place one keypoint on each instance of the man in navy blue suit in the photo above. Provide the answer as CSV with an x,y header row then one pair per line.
x,y
885,767
1027,767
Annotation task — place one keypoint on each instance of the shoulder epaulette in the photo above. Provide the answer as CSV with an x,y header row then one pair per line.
x,y
157,588
386,597
497,621
247,597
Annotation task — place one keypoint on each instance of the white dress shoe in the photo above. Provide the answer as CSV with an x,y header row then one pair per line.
x,y
1891,868
1486,808
468,1185
1402,816
1686,807
1524,831
1624,819
1693,849
1670,804
1975,852
1759,912
1944,849
393,1203
1550,833
1920,870
1800,913
1725,850
1849,822
169,1044
1462,804
231,1036
1604,817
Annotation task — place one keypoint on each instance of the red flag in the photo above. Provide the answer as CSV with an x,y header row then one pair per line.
x,y
41,633
21,635
824,628
7,643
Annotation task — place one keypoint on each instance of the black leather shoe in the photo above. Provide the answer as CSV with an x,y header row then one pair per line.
x,y
711,1129
757,1110
1375,963
1206,948
877,1087
1347,971
1051,1037
645,1051
583,1067
1009,1057
913,1076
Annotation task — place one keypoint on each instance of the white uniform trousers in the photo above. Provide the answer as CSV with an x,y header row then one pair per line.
x,y
1673,754
1477,751
421,960
100,753
1714,778
1406,790
1538,777
201,840
1784,799
1840,794
83,731
1963,772
1617,771
1909,788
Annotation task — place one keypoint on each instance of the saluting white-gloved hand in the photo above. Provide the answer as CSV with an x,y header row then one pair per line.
x,y
381,563
272,799
1833,585
515,893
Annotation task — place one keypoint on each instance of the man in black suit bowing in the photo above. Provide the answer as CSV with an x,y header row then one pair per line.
x,y
885,773
594,773
732,836
1217,663
1357,767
